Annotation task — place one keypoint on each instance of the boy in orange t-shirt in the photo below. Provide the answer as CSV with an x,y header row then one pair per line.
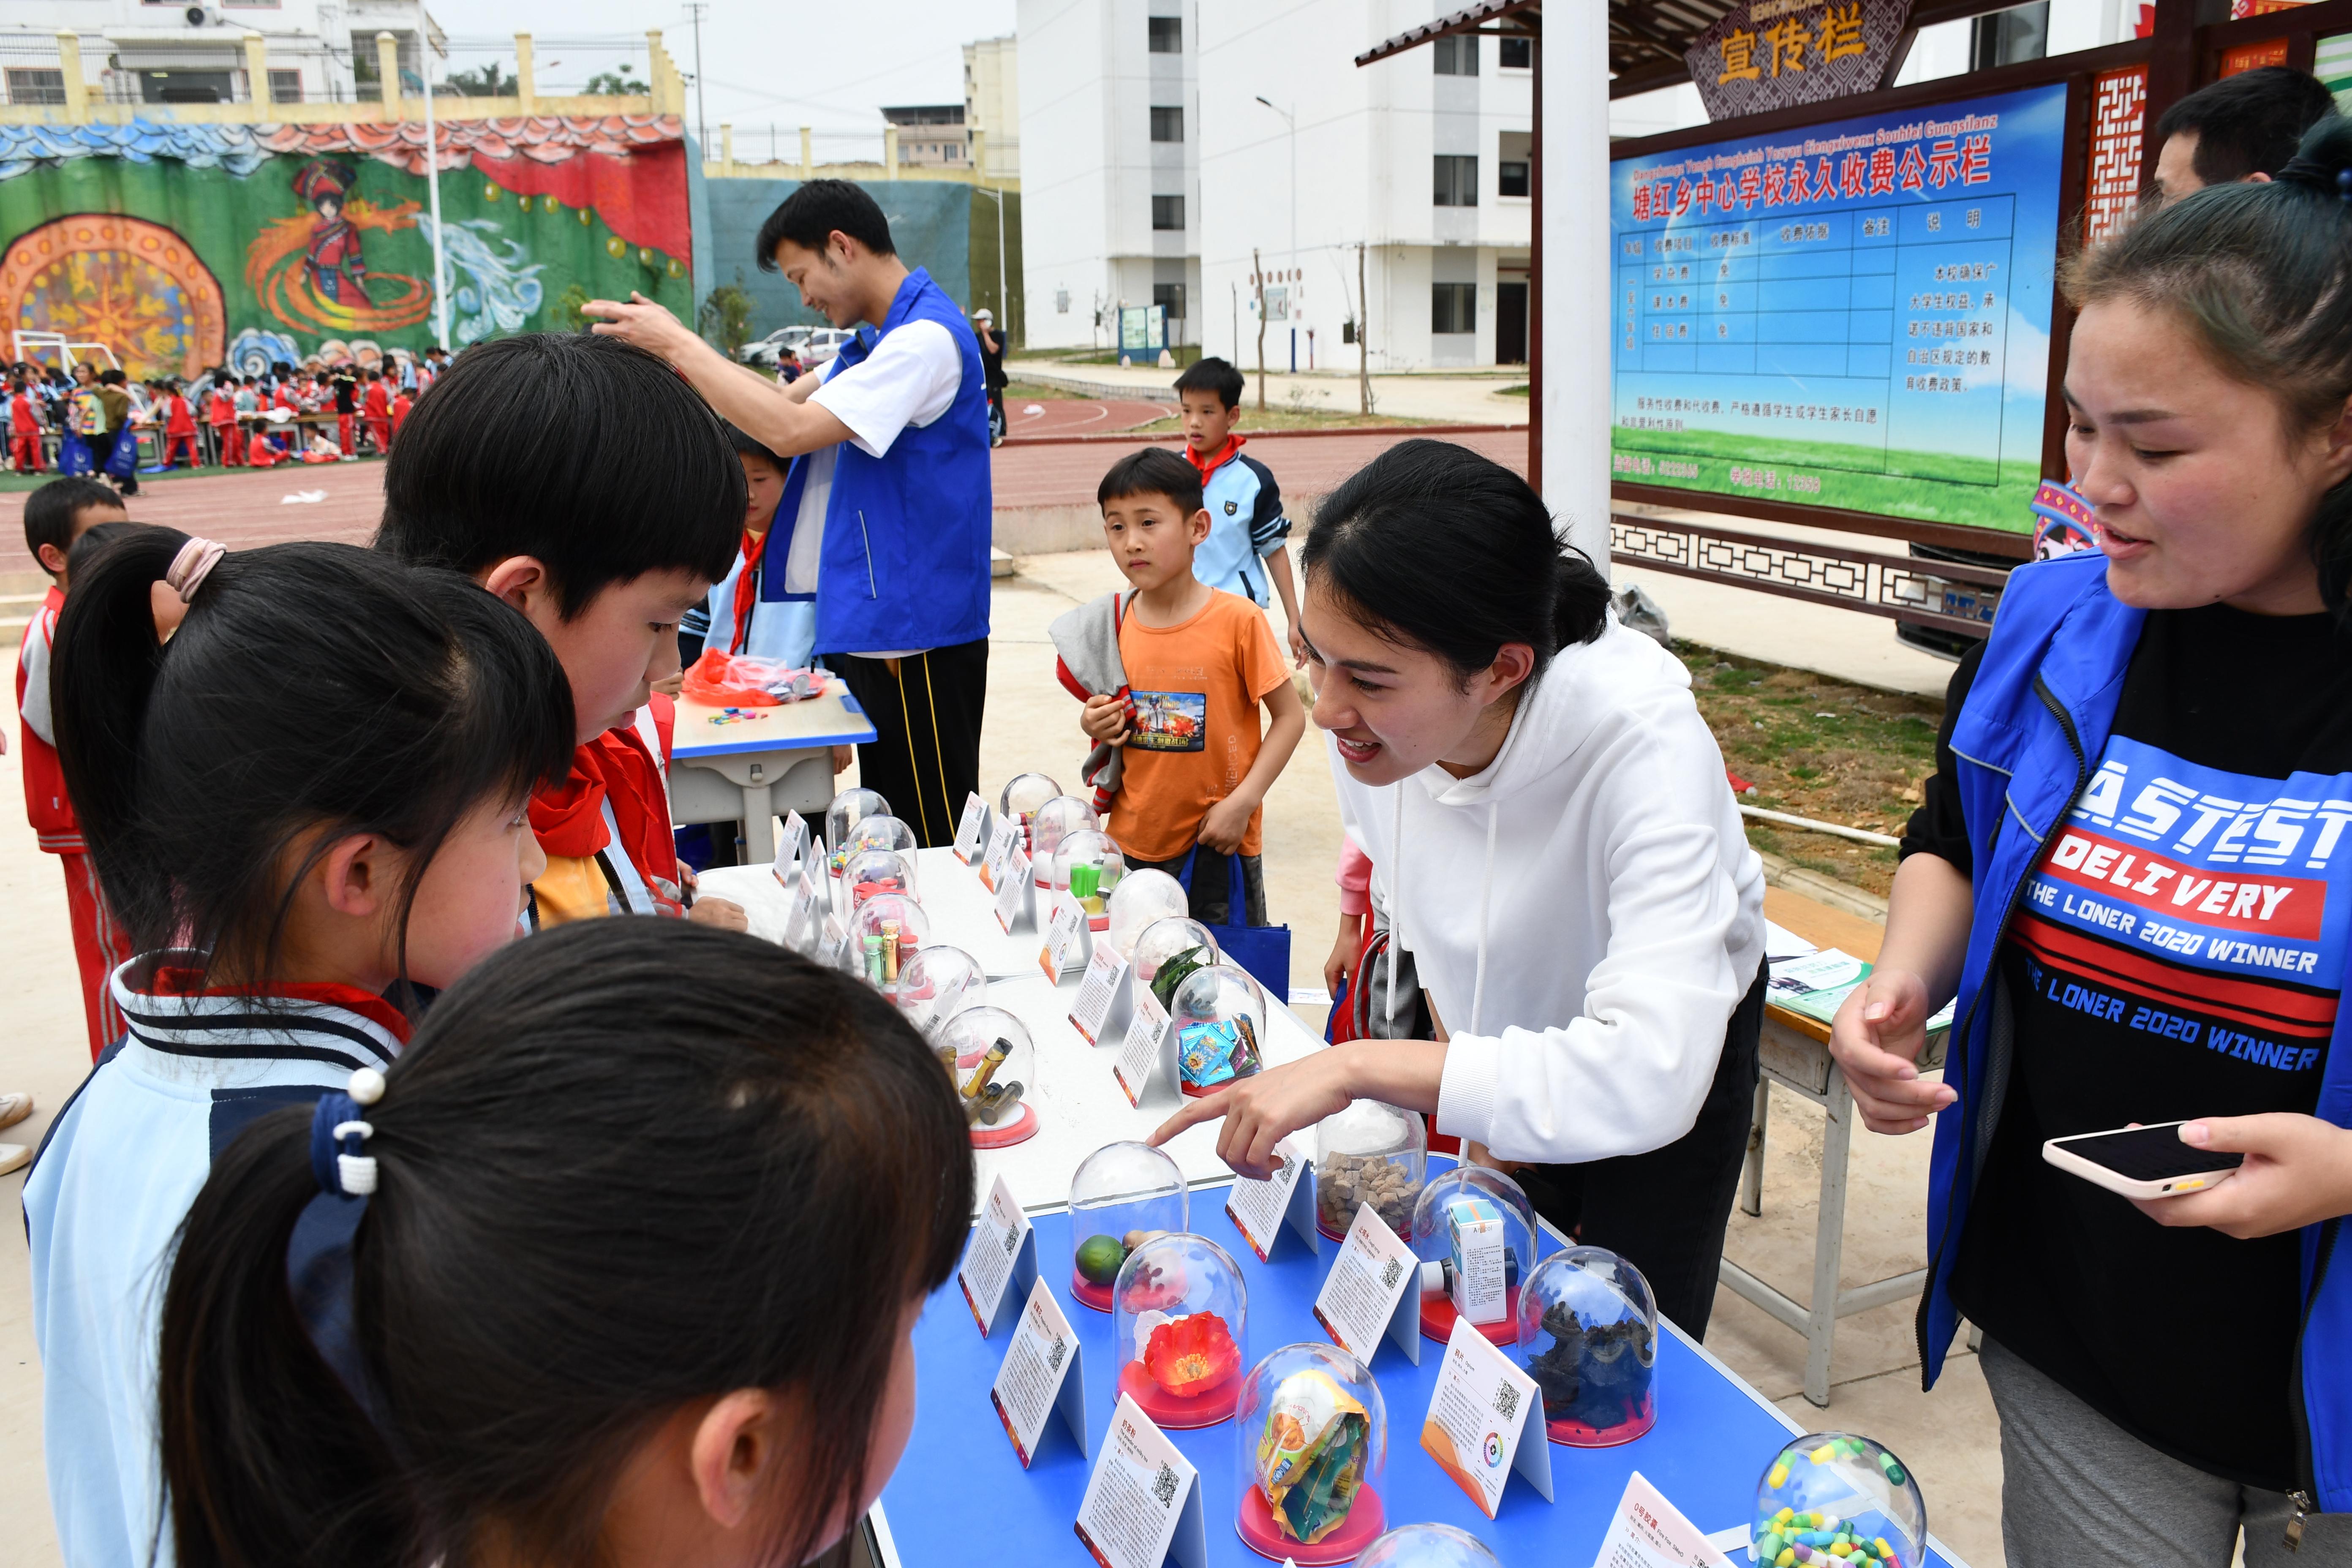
x,y
1198,664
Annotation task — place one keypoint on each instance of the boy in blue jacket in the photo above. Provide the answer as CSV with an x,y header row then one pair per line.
x,y
1245,553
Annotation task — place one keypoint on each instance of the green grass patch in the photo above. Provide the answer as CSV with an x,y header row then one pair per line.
x,y
1926,487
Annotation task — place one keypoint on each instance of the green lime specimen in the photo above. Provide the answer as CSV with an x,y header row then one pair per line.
x,y
1099,1257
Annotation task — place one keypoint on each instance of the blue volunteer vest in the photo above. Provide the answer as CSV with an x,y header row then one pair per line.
x,y
2036,722
904,561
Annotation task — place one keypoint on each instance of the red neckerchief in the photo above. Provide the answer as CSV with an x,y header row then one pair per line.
x,y
173,980
747,587
614,768
1216,459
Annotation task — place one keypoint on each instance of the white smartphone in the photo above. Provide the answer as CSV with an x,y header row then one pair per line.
x,y
2142,1162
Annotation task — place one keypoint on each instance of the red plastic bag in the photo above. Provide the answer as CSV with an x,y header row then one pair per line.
x,y
735,680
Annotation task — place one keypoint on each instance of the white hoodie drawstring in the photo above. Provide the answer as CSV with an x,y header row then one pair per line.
x,y
1396,898
1486,892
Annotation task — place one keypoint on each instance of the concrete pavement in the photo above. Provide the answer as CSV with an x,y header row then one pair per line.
x,y
1454,396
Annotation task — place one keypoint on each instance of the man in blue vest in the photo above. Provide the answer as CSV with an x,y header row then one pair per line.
x,y
886,514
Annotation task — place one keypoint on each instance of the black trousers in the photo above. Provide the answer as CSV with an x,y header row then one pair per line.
x,y
926,711
1665,1210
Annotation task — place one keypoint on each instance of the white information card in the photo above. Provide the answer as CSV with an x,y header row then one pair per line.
x,y
1485,1420
971,830
1260,1209
1102,994
1013,893
791,844
1142,1505
1648,1532
1065,937
1000,840
1140,1053
1372,1289
1041,1377
1001,1253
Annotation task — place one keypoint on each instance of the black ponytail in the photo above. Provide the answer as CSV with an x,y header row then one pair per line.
x,y
625,1166
1439,548
2261,275
310,686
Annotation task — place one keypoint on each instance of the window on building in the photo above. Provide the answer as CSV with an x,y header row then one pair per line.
x,y
1167,35
2010,37
1515,165
35,84
1456,184
1167,124
186,87
1168,212
286,86
1456,55
1170,298
1453,307
1511,178
1518,54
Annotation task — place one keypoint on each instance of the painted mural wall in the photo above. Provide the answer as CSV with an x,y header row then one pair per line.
x,y
183,246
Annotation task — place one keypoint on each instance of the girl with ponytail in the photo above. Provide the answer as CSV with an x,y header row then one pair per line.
x,y
617,1264
303,772
1552,838
2130,874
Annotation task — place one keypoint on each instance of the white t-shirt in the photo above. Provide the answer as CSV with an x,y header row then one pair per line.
x,y
909,379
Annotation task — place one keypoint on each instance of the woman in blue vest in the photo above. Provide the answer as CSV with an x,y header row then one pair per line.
x,y
2132,871
884,520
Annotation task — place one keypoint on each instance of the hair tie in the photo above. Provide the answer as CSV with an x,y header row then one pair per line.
x,y
192,565
2320,175
339,1156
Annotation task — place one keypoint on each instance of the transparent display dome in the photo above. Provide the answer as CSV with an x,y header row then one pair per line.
x,y
1831,1498
1056,820
1310,1447
882,831
1474,1233
1428,1546
1088,866
1374,1154
867,872
1168,951
935,984
1141,899
1121,1195
1219,1019
849,808
1180,1315
1589,1335
995,1068
884,935
1023,794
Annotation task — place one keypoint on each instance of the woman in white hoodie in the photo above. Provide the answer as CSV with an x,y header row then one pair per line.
x,y
1555,844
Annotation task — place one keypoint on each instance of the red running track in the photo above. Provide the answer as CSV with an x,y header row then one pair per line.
x,y
242,510
1073,416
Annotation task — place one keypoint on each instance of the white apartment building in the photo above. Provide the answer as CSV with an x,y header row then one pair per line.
x,y
991,105
192,51
1110,181
1421,160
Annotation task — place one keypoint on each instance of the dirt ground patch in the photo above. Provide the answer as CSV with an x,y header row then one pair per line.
x,y
1818,747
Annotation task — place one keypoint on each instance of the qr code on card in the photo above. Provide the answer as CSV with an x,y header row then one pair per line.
x,y
1055,1356
1506,1401
1390,1272
1163,1486
1012,1240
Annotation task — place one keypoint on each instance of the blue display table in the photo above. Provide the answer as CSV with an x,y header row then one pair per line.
x,y
961,1495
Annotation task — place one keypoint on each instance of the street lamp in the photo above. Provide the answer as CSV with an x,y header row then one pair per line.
x,y
1003,300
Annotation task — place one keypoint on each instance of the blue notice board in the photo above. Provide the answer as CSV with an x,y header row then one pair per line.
x,y
1856,314
960,1495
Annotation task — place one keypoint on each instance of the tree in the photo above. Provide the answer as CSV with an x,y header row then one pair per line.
x,y
485,81
1258,282
726,316
616,84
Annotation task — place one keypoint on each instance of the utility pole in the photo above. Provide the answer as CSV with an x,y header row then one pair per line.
x,y
1003,298
695,11
1363,327
1258,282
433,179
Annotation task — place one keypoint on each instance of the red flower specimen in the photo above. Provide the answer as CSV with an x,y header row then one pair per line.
x,y
1190,1356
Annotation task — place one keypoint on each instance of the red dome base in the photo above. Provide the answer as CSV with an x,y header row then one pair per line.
x,y
1437,1315
1175,1411
1254,1522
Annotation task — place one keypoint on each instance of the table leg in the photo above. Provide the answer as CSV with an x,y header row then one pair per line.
x,y
759,826
1829,1239
1751,1169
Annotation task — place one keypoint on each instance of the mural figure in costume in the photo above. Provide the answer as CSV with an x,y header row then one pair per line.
x,y
333,258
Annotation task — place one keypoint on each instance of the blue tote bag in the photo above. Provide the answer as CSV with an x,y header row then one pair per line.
x,y
73,455
124,461
1264,951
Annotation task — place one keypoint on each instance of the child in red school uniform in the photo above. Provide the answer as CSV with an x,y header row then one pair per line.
x,y
24,429
583,482
56,515
179,429
401,404
220,413
377,407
